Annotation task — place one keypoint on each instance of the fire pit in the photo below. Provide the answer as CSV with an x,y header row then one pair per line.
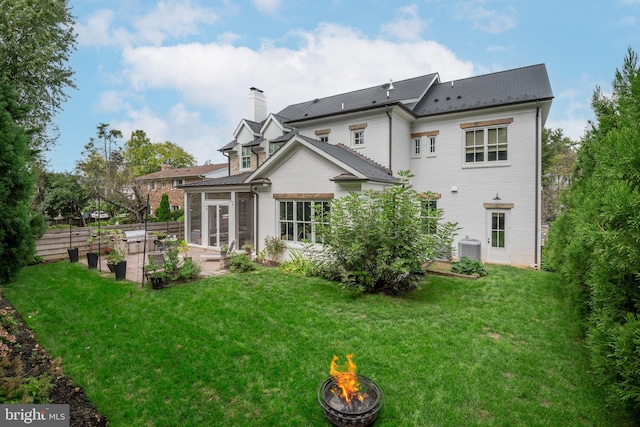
x,y
348,398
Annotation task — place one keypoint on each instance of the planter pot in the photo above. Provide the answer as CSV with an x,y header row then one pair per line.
x,y
111,267
92,259
158,282
73,254
121,270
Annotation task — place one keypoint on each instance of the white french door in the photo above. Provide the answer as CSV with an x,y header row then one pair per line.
x,y
218,224
498,235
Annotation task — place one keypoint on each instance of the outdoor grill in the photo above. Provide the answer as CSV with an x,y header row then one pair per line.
x,y
355,413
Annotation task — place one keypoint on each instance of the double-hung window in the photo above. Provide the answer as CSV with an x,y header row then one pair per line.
x,y
298,220
357,134
245,158
430,215
486,142
416,147
273,147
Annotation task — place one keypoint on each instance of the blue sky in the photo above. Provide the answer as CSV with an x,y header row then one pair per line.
x,y
181,69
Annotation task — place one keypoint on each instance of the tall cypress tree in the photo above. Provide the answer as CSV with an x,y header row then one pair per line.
x,y
164,210
19,226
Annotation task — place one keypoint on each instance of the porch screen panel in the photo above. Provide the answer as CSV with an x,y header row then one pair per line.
x,y
194,204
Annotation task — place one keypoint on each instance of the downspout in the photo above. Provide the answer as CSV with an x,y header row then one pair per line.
x,y
536,235
257,157
390,133
257,211
228,163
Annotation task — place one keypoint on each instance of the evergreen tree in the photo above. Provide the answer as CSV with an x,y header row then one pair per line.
x,y
164,210
19,226
595,242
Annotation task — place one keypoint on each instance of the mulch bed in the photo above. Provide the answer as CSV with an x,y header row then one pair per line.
x,y
36,362
442,268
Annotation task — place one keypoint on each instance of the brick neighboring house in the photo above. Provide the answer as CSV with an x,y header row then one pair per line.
x,y
167,180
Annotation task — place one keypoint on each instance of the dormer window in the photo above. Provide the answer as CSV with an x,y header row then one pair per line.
x,y
273,147
245,158
323,135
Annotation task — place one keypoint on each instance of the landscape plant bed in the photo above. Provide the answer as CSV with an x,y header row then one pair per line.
x,y
443,268
36,363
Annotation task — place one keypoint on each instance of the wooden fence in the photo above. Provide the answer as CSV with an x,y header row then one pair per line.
x,y
54,244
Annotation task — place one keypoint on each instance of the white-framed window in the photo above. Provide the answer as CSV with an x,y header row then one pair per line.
x,y
486,145
324,138
176,182
245,158
432,145
298,218
430,215
152,185
357,138
273,147
416,147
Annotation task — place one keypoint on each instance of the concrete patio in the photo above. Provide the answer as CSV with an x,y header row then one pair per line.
x,y
210,267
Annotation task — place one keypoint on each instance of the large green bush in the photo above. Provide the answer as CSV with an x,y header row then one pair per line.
x,y
595,242
19,225
379,241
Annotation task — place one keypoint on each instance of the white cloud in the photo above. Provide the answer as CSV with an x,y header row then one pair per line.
x,y
97,31
407,26
169,19
267,6
173,18
178,125
483,19
111,101
330,59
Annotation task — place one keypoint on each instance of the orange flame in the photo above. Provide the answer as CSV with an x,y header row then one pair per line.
x,y
347,381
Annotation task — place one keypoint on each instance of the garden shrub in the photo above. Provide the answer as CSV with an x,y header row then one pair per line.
x,y
240,263
298,263
469,266
379,241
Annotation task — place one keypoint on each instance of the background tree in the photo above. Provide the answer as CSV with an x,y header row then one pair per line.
x,y
595,242
163,213
107,175
19,225
65,195
147,157
36,40
558,159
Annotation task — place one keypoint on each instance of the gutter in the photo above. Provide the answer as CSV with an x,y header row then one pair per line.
x,y
536,235
390,133
257,216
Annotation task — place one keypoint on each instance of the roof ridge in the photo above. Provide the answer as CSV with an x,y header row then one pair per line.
x,y
349,149
494,73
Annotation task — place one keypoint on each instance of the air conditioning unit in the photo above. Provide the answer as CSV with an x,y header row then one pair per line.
x,y
469,248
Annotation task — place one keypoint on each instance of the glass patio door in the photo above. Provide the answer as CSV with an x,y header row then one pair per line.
x,y
498,236
218,219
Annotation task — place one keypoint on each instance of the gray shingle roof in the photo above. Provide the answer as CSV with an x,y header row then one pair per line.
x,y
406,91
367,168
502,88
224,180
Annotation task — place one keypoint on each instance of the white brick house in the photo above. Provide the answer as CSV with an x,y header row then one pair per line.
x,y
475,142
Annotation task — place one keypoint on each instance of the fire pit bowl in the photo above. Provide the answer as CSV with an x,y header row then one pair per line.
x,y
357,413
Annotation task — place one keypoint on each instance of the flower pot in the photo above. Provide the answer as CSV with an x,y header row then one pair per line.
x,y
73,254
92,259
158,282
121,270
111,266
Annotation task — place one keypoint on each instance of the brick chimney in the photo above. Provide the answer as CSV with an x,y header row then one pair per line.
x,y
165,167
257,105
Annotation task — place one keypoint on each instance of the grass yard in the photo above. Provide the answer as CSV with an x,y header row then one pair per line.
x,y
252,349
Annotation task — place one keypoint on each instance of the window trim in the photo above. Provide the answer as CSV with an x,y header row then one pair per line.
x,y
416,147
292,222
485,127
244,157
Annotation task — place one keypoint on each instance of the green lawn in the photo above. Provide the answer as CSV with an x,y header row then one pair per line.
x,y
252,349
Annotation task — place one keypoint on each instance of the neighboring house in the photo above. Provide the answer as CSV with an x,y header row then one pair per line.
x,y
167,180
474,142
